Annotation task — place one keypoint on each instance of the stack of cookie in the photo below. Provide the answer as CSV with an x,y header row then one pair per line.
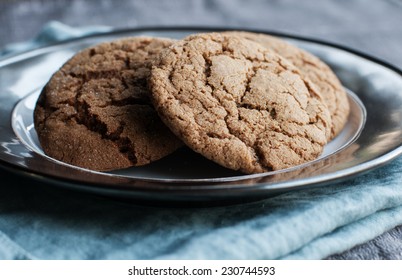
x,y
249,102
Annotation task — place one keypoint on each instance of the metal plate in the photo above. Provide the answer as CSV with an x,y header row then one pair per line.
x,y
370,138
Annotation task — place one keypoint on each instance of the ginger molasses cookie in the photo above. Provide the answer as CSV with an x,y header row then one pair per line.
x,y
238,103
316,70
95,112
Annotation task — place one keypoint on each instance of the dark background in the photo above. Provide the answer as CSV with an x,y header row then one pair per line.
x,y
373,27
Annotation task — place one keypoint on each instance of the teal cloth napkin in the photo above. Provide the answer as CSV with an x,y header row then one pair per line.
x,y
42,222
52,32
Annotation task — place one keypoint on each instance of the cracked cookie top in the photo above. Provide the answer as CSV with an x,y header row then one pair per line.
x,y
238,103
95,112
316,70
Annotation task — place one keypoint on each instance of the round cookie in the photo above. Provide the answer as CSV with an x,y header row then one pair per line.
x,y
316,70
95,112
238,103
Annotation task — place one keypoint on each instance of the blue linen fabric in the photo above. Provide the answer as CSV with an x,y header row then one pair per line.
x,y
52,32
45,222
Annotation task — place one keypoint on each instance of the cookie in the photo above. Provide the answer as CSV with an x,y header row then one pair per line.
x,y
95,112
316,70
238,103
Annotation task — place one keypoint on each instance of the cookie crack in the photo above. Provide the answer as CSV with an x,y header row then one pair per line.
x,y
311,91
95,75
207,73
269,107
249,77
308,62
94,124
129,101
294,98
140,100
303,135
297,150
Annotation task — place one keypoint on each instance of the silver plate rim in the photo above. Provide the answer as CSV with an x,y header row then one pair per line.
x,y
255,188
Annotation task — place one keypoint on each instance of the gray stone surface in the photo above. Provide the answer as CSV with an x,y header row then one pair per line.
x,y
385,246
370,26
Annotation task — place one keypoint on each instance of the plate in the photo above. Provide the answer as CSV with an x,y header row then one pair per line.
x,y
371,137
